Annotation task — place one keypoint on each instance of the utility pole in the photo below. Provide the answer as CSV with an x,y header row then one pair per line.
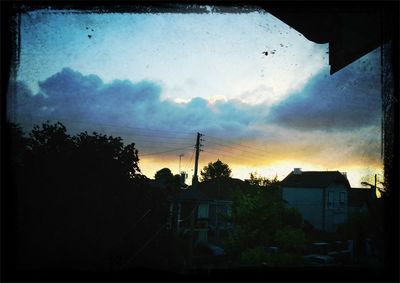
x,y
194,184
195,179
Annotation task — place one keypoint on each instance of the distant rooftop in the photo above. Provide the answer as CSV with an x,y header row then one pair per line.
x,y
221,189
314,179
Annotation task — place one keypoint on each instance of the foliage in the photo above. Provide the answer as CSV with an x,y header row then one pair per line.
x,y
257,256
292,217
253,256
357,225
215,170
284,259
261,219
171,183
164,175
81,199
108,152
50,139
129,158
290,239
258,180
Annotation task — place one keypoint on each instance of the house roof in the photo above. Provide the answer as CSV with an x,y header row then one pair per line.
x,y
314,179
193,194
220,189
359,196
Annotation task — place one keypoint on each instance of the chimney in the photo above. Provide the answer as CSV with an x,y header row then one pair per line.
x,y
297,171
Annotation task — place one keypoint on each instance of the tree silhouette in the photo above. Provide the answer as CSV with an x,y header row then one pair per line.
x,y
257,180
164,176
215,170
49,139
81,200
262,220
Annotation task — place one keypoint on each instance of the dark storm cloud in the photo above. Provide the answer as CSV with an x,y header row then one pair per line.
x,y
346,100
78,100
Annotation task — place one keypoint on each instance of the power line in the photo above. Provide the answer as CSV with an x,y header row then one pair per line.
x,y
107,124
129,134
164,143
166,151
217,154
159,136
152,144
225,155
190,161
242,145
256,156
224,152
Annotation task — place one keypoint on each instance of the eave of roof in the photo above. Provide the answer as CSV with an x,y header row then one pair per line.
x,y
314,179
218,189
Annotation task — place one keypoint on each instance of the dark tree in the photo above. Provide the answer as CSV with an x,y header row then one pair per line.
x,y
82,202
164,176
215,170
262,220
257,180
49,139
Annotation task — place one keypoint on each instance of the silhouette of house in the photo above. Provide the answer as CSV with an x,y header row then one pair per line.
x,y
360,199
209,204
320,196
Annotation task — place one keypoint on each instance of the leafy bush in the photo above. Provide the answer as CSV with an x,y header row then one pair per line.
x,y
283,259
290,239
253,256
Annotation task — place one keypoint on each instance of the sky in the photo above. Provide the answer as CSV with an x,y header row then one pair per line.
x,y
157,79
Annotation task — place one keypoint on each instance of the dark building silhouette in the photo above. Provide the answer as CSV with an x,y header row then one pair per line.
x,y
320,196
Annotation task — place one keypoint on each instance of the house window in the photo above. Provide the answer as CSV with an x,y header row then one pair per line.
x,y
202,211
342,198
330,199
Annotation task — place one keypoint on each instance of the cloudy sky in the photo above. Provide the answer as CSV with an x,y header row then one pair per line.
x,y
158,79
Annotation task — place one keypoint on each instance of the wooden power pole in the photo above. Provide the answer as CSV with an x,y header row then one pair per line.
x,y
195,179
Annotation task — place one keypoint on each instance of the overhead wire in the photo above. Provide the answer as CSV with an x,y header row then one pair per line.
x,y
214,153
167,140
171,141
164,144
108,124
166,151
190,161
258,150
135,134
233,155
242,151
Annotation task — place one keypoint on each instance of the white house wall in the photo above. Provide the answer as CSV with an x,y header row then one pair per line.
x,y
309,201
337,213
